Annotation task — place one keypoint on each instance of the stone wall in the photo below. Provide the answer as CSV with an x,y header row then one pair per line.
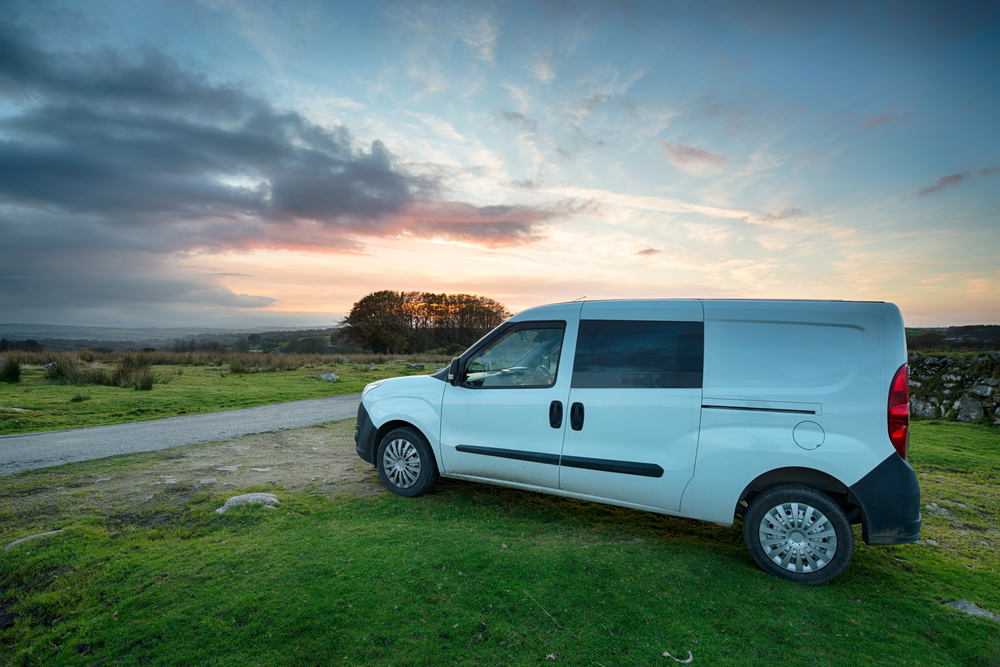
x,y
955,388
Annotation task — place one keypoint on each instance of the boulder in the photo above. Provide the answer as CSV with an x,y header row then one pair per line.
x,y
268,500
969,410
329,377
920,408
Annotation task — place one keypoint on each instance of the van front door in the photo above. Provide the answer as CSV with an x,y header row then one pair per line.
x,y
635,403
504,418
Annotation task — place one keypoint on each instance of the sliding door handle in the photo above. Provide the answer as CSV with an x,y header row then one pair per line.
x,y
576,416
555,414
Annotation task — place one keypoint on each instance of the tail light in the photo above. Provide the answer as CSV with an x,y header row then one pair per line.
x,y
899,411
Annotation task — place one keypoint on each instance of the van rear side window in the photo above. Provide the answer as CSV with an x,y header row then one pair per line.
x,y
618,354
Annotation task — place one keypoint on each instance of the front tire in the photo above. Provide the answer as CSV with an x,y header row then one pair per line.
x,y
799,533
406,463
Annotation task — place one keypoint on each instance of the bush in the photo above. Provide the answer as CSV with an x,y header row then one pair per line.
x,y
67,369
10,371
134,371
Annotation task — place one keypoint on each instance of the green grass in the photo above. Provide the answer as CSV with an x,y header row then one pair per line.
x,y
179,390
479,575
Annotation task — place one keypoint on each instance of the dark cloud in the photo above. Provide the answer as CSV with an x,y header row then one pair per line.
x,y
520,120
682,154
943,182
647,252
137,158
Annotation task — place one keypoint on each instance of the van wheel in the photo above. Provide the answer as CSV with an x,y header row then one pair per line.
x,y
405,463
799,533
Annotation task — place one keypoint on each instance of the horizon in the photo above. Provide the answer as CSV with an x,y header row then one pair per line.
x,y
238,166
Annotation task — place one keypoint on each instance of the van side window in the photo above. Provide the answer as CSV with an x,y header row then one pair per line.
x,y
639,354
525,357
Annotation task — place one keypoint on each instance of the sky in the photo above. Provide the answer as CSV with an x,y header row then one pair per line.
x,y
251,164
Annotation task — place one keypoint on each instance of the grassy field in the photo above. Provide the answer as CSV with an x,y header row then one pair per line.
x,y
479,575
209,384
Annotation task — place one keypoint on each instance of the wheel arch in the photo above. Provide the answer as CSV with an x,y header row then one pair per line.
x,y
817,479
402,423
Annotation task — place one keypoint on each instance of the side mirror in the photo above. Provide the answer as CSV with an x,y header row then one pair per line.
x,y
453,372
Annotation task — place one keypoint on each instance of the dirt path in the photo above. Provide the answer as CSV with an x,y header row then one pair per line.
x,y
52,448
317,458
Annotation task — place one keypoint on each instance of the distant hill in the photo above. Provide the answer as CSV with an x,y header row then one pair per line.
x,y
56,337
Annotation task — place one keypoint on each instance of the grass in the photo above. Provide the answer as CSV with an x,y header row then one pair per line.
x,y
207,383
479,575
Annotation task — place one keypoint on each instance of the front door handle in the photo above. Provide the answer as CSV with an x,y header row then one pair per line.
x,y
576,416
555,414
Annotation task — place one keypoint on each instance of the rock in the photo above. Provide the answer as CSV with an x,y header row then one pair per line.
x,y
920,408
418,367
969,410
982,390
934,508
993,382
914,383
370,367
951,378
972,609
266,499
343,360
329,377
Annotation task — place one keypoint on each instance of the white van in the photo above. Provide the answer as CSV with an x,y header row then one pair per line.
x,y
791,414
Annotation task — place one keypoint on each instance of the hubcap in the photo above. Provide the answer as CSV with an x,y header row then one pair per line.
x,y
797,537
401,463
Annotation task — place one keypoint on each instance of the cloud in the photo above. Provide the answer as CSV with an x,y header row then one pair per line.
x,y
943,182
888,116
785,214
519,120
106,155
689,155
543,68
647,252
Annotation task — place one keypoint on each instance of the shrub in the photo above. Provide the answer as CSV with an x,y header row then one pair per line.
x,y
10,371
65,368
133,370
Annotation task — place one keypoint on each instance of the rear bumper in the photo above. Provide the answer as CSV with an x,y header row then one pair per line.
x,y
889,497
364,435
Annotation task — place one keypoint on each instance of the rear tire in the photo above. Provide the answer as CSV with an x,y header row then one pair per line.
x,y
799,533
405,462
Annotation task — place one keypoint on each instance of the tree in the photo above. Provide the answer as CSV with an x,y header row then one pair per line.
x,y
378,321
402,322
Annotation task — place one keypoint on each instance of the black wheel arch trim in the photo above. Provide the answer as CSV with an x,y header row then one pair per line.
x,y
886,501
365,436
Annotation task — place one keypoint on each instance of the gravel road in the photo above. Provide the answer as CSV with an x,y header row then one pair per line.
x,y
52,448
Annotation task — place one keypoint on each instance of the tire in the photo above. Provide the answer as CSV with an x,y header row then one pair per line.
x,y
799,533
405,463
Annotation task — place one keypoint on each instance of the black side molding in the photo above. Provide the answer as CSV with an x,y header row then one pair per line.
x,y
889,497
604,465
748,409
516,454
607,465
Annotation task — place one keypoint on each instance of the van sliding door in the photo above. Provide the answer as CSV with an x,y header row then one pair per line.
x,y
635,403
